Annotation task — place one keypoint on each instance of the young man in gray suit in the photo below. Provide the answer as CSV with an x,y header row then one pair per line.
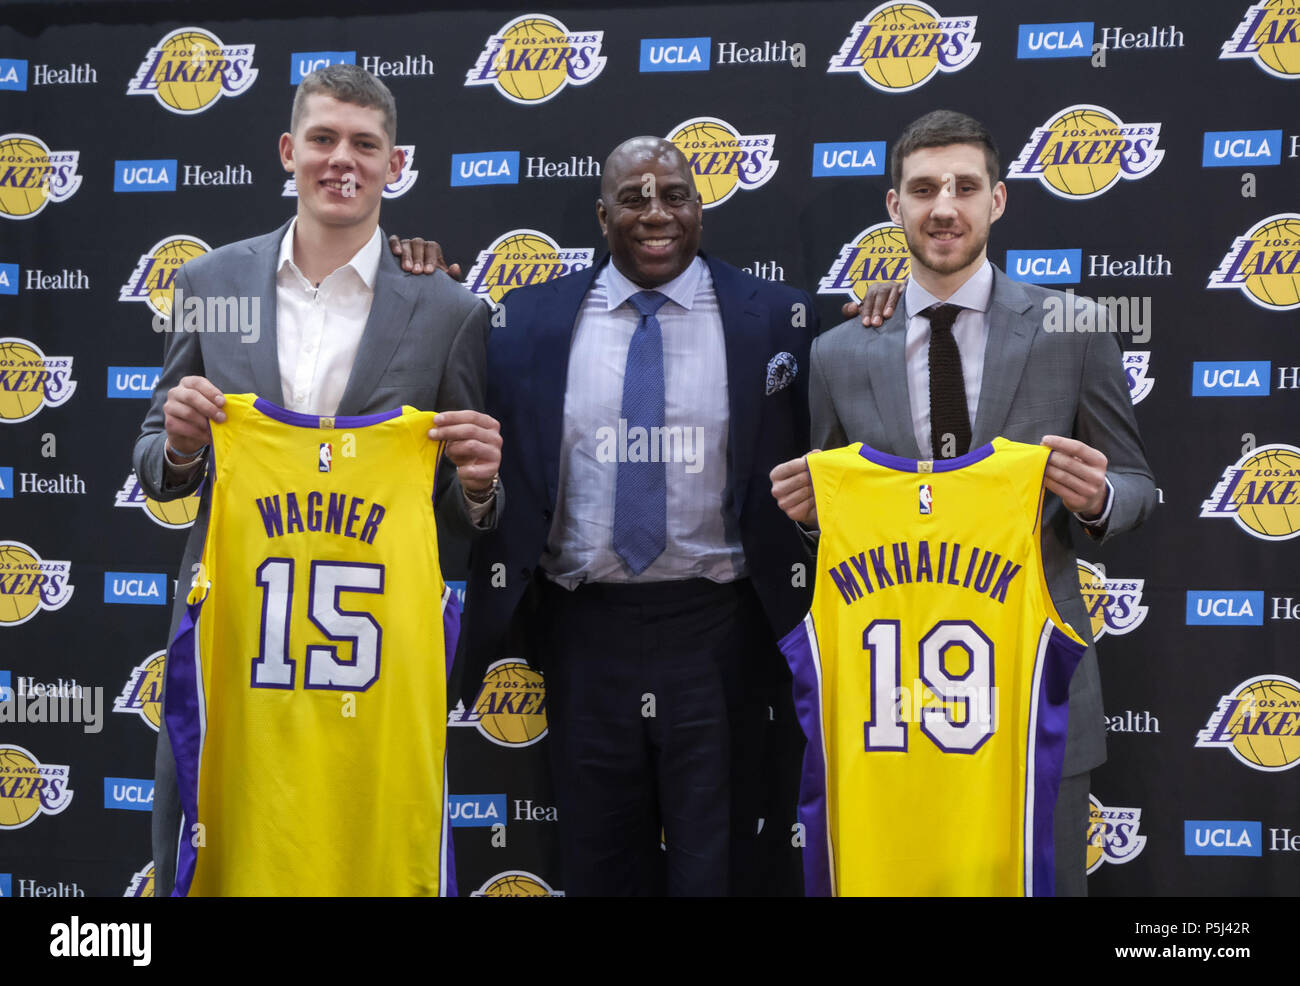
x,y
342,331
886,387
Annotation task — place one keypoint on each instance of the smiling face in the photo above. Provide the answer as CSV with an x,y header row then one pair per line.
x,y
341,158
649,211
946,206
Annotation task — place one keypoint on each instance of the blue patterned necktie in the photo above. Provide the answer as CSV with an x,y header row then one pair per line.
x,y
641,491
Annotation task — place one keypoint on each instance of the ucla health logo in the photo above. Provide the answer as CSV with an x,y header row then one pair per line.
x,y
142,694
142,884
534,56
158,175
29,788
878,253
1084,150
1225,607
1269,33
675,54
1259,722
304,63
135,588
722,158
1232,148
1222,838
476,810
1113,834
1069,40
902,46
861,157
391,191
1114,605
132,381
174,513
1265,263
30,380
128,793
510,708
516,883
1137,366
155,272
29,583
190,69
1045,266
485,168
13,74
1231,378
32,176
521,257
1261,492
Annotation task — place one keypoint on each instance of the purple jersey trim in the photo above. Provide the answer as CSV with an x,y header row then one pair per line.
x,y
313,421
183,717
797,646
939,465
1060,658
450,635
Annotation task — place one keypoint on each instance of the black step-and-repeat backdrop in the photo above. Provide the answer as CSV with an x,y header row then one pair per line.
x,y
1152,157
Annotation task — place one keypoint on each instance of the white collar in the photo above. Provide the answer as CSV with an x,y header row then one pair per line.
x,y
680,289
365,261
975,293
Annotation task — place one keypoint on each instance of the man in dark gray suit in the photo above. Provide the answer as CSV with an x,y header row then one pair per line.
x,y
1009,375
342,331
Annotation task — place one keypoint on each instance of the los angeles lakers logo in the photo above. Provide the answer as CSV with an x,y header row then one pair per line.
x,y
520,257
29,583
141,882
1084,150
391,191
1113,605
1259,721
29,788
516,883
1137,364
190,69
510,708
1261,492
32,176
1113,834
1269,32
722,158
142,695
899,47
1265,263
533,57
30,380
151,281
174,513
878,253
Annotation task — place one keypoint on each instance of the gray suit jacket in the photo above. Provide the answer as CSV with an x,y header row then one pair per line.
x,y
1035,383
424,344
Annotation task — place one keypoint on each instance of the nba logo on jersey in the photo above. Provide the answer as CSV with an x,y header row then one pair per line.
x,y
926,498
326,456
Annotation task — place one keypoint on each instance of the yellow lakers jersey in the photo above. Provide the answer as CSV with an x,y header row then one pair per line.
x,y
306,687
931,677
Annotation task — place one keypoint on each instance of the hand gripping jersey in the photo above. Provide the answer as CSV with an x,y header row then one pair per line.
x,y
931,677
306,687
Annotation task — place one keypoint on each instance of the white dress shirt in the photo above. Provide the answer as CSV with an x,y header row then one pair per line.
x,y
580,548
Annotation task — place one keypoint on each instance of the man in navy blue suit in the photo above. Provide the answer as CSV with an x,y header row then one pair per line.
x,y
642,565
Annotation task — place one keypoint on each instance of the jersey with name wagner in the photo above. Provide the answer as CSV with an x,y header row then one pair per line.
x,y
306,687
931,677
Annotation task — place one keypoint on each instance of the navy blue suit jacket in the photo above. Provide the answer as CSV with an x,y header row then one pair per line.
x,y
528,360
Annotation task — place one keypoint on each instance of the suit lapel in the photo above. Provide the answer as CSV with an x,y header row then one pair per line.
x,y
887,369
1010,335
742,331
390,312
552,338
263,355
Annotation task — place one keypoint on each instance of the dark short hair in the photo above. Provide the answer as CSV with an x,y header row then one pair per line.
x,y
347,84
940,128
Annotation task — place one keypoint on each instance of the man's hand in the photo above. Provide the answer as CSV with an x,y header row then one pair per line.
x,y
879,303
421,256
473,443
793,489
1077,474
189,406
